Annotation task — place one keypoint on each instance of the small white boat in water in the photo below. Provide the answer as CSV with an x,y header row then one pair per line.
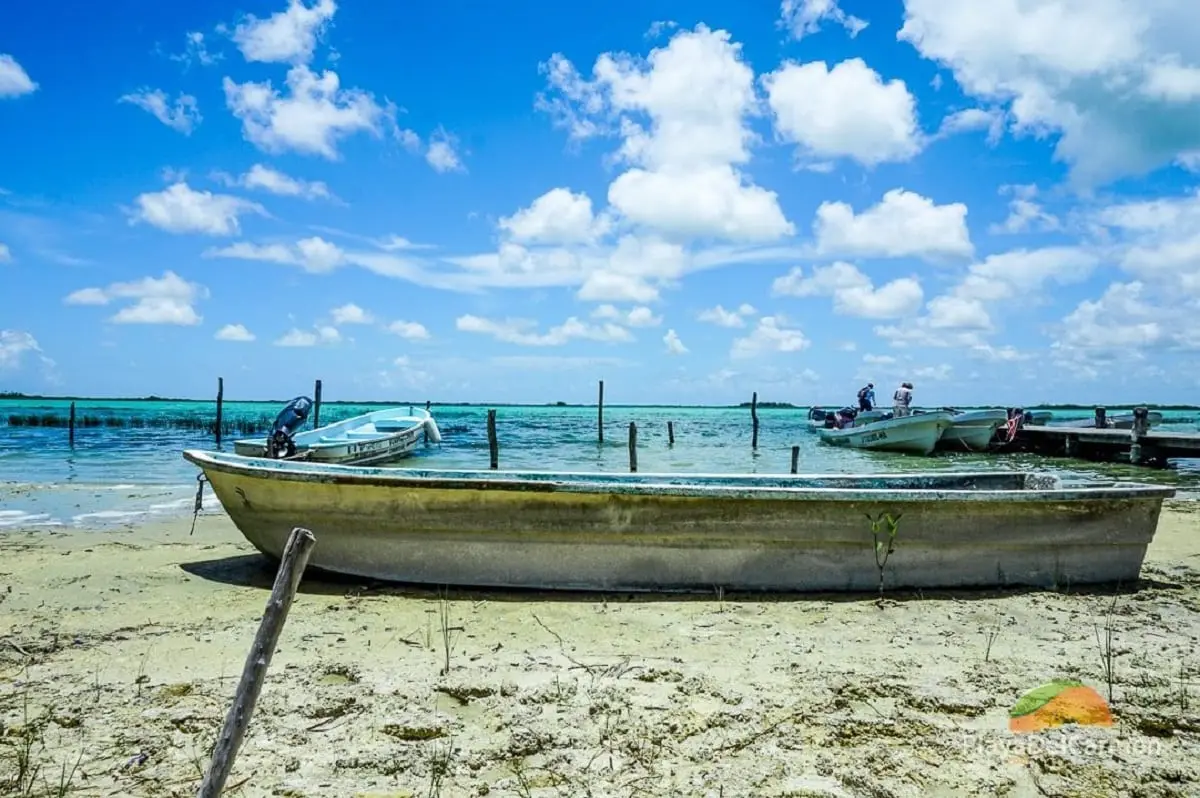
x,y
972,430
915,434
376,437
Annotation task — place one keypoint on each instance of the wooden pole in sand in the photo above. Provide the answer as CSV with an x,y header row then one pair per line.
x,y
795,459
670,433
317,405
600,413
493,442
632,447
754,419
71,427
220,402
287,580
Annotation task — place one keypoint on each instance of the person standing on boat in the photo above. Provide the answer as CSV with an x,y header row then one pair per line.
x,y
866,397
902,400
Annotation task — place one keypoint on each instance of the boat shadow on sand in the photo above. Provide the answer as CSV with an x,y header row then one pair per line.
x,y
257,571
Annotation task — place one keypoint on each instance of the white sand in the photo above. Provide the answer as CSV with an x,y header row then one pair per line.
x,y
120,651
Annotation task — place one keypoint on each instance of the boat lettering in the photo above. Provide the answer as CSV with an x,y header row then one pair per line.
x,y
871,437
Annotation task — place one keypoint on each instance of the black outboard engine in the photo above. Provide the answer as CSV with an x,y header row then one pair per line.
x,y
830,420
290,419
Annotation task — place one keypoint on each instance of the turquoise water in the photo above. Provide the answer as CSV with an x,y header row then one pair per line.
x,y
117,474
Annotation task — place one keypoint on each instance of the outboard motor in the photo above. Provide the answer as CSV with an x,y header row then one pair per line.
x,y
290,419
830,420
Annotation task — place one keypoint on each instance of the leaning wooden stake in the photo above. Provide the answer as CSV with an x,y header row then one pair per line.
x,y
287,580
632,447
317,405
71,428
600,413
754,419
493,443
670,433
220,402
795,459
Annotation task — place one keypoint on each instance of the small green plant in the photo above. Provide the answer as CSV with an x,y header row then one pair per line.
x,y
1106,648
883,531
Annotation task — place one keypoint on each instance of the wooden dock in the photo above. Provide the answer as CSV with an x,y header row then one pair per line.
x,y
1138,446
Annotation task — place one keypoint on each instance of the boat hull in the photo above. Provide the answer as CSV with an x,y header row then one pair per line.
x,y
915,434
972,430
674,533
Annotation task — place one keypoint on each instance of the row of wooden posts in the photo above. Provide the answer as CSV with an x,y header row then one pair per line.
x,y
494,443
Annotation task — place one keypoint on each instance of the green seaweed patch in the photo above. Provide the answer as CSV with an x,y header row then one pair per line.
x,y
1038,697
172,691
413,732
465,693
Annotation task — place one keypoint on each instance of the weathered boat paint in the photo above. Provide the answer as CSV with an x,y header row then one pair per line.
x,y
380,436
972,430
914,434
672,532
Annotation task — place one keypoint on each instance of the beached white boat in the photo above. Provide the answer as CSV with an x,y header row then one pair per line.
x,y
376,437
673,532
972,430
915,434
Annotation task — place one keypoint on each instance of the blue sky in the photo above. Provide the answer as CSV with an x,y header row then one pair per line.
x,y
996,201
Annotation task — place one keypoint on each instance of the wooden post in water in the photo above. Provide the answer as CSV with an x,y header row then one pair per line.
x,y
600,413
795,459
670,433
254,673
493,442
754,419
71,427
1141,425
220,408
317,405
424,428
632,447
1101,418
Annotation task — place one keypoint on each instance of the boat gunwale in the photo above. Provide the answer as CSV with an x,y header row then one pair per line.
x,y
602,483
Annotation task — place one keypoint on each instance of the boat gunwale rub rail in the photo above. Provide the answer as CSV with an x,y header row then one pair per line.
x,y
891,487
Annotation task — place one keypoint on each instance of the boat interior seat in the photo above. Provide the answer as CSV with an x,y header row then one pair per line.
x,y
393,426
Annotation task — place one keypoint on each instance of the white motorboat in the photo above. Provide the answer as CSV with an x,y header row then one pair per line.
x,y
972,430
376,437
914,434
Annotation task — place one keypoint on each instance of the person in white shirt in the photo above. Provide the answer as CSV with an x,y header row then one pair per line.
x,y
902,400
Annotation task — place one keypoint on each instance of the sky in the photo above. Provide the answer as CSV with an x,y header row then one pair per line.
x,y
996,201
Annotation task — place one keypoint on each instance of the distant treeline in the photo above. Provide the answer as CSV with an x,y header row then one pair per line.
x,y
767,404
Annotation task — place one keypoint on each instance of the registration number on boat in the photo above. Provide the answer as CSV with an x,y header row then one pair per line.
x,y
871,437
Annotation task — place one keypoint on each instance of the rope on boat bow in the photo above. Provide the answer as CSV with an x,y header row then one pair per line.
x,y
199,503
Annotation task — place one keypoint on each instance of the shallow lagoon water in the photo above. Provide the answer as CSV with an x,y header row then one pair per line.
x,y
124,474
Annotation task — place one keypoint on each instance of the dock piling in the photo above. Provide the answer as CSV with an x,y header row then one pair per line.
x,y
795,459
71,427
317,405
632,447
600,414
493,443
1101,418
220,409
1141,425
670,433
754,419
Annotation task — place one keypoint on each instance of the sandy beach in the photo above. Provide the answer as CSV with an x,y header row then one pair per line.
x,y
120,652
